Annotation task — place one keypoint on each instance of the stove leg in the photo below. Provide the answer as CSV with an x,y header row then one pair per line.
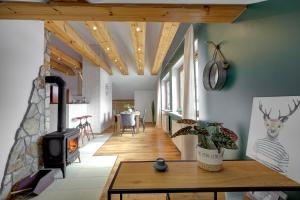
x,y
63,170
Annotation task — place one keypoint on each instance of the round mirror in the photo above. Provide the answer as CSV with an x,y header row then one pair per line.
x,y
214,75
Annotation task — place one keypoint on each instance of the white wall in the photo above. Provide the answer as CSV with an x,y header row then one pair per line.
x,y
21,55
105,100
71,82
143,100
72,111
93,88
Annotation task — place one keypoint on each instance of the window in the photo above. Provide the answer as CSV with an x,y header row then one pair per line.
x,y
174,85
166,93
178,81
181,84
196,63
177,86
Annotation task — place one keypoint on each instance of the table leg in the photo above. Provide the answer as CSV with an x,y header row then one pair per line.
x,y
168,196
108,195
137,123
121,196
118,124
215,196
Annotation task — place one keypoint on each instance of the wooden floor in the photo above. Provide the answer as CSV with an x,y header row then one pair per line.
x,y
151,144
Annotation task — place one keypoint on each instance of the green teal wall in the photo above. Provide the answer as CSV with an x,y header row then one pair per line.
x,y
263,49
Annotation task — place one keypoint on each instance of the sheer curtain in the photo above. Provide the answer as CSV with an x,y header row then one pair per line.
x,y
158,106
189,142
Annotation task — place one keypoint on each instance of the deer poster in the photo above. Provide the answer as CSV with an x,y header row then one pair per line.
x,y
274,134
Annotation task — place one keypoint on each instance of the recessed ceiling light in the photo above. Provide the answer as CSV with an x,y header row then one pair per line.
x,y
94,28
138,29
58,58
107,48
139,49
116,60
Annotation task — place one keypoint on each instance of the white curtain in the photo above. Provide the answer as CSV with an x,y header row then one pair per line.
x,y
189,142
158,106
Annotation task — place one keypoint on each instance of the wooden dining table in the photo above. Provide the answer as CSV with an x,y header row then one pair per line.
x,y
137,121
137,177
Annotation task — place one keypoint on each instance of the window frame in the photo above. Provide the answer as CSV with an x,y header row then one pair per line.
x,y
168,94
180,88
166,99
197,77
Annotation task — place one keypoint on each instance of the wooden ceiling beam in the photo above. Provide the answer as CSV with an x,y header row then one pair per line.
x,y
68,35
101,34
138,34
189,13
61,57
61,67
167,34
82,1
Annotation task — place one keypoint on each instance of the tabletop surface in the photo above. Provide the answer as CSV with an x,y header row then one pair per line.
x,y
135,113
235,176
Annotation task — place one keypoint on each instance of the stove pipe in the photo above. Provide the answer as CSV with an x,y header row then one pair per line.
x,y
61,107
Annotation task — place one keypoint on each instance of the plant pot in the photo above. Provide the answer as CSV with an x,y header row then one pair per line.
x,y
210,159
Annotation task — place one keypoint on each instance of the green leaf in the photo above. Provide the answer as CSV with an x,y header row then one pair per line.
x,y
186,121
184,131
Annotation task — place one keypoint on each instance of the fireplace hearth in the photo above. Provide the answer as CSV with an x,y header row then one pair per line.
x,y
60,148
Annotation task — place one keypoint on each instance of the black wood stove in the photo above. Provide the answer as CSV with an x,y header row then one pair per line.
x,y
60,148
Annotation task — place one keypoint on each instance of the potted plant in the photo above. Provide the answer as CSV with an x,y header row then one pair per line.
x,y
128,107
213,138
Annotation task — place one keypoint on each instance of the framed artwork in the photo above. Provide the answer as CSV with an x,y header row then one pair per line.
x,y
107,89
267,195
274,134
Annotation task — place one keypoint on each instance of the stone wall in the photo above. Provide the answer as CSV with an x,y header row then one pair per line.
x,y
26,153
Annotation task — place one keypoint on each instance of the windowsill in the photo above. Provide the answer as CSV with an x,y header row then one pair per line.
x,y
175,115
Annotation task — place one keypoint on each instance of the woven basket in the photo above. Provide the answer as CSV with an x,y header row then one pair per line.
x,y
208,167
210,159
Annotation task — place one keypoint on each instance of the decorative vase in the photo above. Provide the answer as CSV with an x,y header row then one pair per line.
x,y
210,159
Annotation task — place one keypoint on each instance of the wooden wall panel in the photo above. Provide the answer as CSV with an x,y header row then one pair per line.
x,y
118,105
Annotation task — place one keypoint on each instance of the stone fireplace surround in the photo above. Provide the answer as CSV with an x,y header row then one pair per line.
x,y
26,153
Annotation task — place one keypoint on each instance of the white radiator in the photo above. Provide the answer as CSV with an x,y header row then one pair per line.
x,y
177,140
165,122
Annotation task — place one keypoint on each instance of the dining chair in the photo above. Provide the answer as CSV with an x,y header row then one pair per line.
x,y
115,119
142,120
128,121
